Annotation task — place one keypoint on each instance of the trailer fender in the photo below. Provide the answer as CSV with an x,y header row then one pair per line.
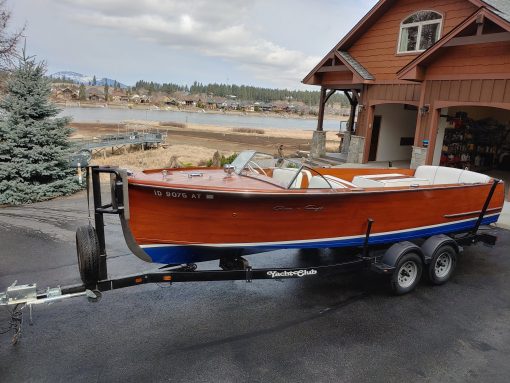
x,y
433,243
397,250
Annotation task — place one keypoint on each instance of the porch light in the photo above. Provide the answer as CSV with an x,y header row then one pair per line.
x,y
424,109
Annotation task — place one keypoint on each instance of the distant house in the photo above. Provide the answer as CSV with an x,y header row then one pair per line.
x,y
211,104
145,99
266,107
95,93
69,94
248,107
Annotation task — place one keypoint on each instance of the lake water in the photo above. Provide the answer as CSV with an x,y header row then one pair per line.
x,y
243,121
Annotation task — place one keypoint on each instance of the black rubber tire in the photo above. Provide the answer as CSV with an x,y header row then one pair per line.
x,y
87,249
444,250
396,286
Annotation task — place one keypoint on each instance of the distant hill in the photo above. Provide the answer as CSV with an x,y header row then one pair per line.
x,y
84,79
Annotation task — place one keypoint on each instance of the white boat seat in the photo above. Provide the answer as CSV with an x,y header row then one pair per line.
x,y
469,177
426,171
283,176
444,175
388,180
328,182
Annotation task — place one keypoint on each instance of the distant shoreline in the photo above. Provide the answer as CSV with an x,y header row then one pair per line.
x,y
142,107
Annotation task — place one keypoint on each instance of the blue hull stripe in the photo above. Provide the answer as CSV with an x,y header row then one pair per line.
x,y
174,254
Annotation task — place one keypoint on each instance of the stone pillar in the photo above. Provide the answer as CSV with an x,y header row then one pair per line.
x,y
356,149
419,157
346,142
318,148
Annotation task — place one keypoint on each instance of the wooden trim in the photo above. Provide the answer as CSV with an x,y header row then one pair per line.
x,y
470,212
450,104
322,102
368,134
478,39
376,102
334,68
435,117
468,76
420,118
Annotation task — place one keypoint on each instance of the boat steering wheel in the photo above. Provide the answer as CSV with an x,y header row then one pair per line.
x,y
251,165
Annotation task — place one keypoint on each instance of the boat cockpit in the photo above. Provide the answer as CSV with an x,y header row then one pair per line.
x,y
292,174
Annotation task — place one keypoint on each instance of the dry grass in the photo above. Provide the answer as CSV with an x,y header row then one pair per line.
x,y
249,130
186,155
172,124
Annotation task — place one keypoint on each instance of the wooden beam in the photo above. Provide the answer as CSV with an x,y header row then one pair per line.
x,y
333,68
479,39
320,119
330,93
479,22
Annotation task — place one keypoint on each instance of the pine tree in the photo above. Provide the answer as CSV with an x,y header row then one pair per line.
x,y
106,89
34,145
94,81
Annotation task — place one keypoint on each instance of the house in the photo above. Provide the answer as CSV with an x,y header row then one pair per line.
x,y
95,93
428,83
69,94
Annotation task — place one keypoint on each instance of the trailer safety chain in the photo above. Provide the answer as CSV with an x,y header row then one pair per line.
x,y
15,323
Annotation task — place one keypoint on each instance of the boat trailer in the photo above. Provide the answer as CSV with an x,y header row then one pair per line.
x,y
392,260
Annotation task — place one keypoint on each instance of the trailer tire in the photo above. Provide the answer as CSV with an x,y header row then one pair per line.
x,y
442,264
407,273
88,251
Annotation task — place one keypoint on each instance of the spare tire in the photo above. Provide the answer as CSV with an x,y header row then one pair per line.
x,y
88,251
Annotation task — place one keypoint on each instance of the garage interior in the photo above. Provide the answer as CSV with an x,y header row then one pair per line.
x,y
475,138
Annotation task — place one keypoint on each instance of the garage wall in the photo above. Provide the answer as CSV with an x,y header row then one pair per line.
x,y
396,122
440,137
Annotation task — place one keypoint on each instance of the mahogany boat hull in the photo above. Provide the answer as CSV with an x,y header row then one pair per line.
x,y
175,224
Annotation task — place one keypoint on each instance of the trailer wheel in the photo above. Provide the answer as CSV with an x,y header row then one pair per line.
x,y
407,273
87,248
442,264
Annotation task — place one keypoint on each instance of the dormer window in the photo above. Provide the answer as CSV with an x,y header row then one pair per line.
x,y
419,31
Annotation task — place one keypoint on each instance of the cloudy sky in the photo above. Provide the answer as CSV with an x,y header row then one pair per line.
x,y
256,42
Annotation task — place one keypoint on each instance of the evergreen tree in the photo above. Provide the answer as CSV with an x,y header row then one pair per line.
x,y
82,94
106,89
34,145
94,81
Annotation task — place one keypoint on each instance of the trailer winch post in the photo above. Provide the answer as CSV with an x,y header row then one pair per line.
x,y
99,221
485,206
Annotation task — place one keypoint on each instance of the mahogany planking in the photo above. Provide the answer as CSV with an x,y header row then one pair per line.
x,y
161,214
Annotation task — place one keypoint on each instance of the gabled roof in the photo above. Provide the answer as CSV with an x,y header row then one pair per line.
x,y
356,66
499,7
411,71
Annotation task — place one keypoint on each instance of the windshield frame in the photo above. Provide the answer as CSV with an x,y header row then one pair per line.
x,y
243,168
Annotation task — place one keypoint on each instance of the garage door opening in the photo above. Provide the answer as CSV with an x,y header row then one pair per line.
x,y
475,138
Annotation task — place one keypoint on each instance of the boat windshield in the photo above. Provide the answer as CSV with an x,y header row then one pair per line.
x,y
282,172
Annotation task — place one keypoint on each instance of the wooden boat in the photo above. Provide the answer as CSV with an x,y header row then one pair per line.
x,y
259,203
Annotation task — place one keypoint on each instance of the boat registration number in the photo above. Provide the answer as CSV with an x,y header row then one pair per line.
x,y
181,195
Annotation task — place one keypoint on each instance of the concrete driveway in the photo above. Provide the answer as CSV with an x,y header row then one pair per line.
x,y
337,329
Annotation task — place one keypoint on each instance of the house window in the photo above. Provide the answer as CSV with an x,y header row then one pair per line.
x,y
419,31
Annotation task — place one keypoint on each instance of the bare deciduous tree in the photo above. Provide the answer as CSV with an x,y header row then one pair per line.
x,y
8,40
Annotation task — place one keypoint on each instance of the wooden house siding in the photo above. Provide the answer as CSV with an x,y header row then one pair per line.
x,y
472,60
376,49
401,93
476,92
